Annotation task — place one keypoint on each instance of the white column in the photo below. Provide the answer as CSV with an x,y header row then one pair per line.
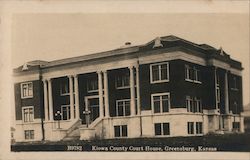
x,y
45,98
50,100
215,82
138,91
106,93
100,93
76,96
71,95
132,90
226,94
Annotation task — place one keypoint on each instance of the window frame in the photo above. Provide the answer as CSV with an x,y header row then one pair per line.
x,y
122,76
161,102
198,127
192,71
124,107
68,112
234,84
22,92
194,104
121,129
162,129
236,127
30,136
190,129
89,82
66,82
190,101
30,116
197,75
159,73
187,73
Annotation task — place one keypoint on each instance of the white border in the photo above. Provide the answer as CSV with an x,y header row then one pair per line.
x,y
8,8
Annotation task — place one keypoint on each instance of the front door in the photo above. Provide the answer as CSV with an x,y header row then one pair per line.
x,y
92,103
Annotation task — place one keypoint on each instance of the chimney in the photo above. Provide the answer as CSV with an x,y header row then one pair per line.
x,y
128,44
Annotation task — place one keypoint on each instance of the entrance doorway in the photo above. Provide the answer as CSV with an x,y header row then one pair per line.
x,y
92,104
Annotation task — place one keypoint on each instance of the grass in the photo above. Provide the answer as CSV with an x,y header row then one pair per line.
x,y
226,142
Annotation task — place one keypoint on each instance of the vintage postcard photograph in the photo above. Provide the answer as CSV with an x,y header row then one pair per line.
x,y
138,82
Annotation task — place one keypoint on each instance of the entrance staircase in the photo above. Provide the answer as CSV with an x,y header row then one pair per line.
x,y
73,133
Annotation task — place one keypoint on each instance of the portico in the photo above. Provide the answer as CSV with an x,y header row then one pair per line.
x,y
102,93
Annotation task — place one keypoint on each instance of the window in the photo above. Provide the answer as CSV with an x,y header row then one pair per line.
x,y
162,129
198,105
65,110
188,72
27,90
235,107
190,127
122,80
121,131
29,134
192,74
160,102
193,104
189,104
236,126
64,87
28,114
159,72
123,107
197,77
199,128
234,85
92,85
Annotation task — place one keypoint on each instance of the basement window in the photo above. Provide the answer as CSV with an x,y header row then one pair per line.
x,y
121,131
28,134
190,127
162,129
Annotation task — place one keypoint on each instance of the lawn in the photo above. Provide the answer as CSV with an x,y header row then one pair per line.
x,y
227,142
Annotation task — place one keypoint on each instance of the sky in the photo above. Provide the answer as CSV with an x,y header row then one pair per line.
x,y
56,36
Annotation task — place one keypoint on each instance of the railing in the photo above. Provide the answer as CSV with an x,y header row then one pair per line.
x,y
73,127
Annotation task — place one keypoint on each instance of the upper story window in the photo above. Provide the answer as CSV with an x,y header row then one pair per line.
x,y
64,87
123,107
122,80
160,102
197,75
234,84
193,104
92,84
28,114
27,90
159,72
192,74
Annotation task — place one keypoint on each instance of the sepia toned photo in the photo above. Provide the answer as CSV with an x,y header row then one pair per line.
x,y
115,82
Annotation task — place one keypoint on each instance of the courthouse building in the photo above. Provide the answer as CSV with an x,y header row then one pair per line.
x,y
165,88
